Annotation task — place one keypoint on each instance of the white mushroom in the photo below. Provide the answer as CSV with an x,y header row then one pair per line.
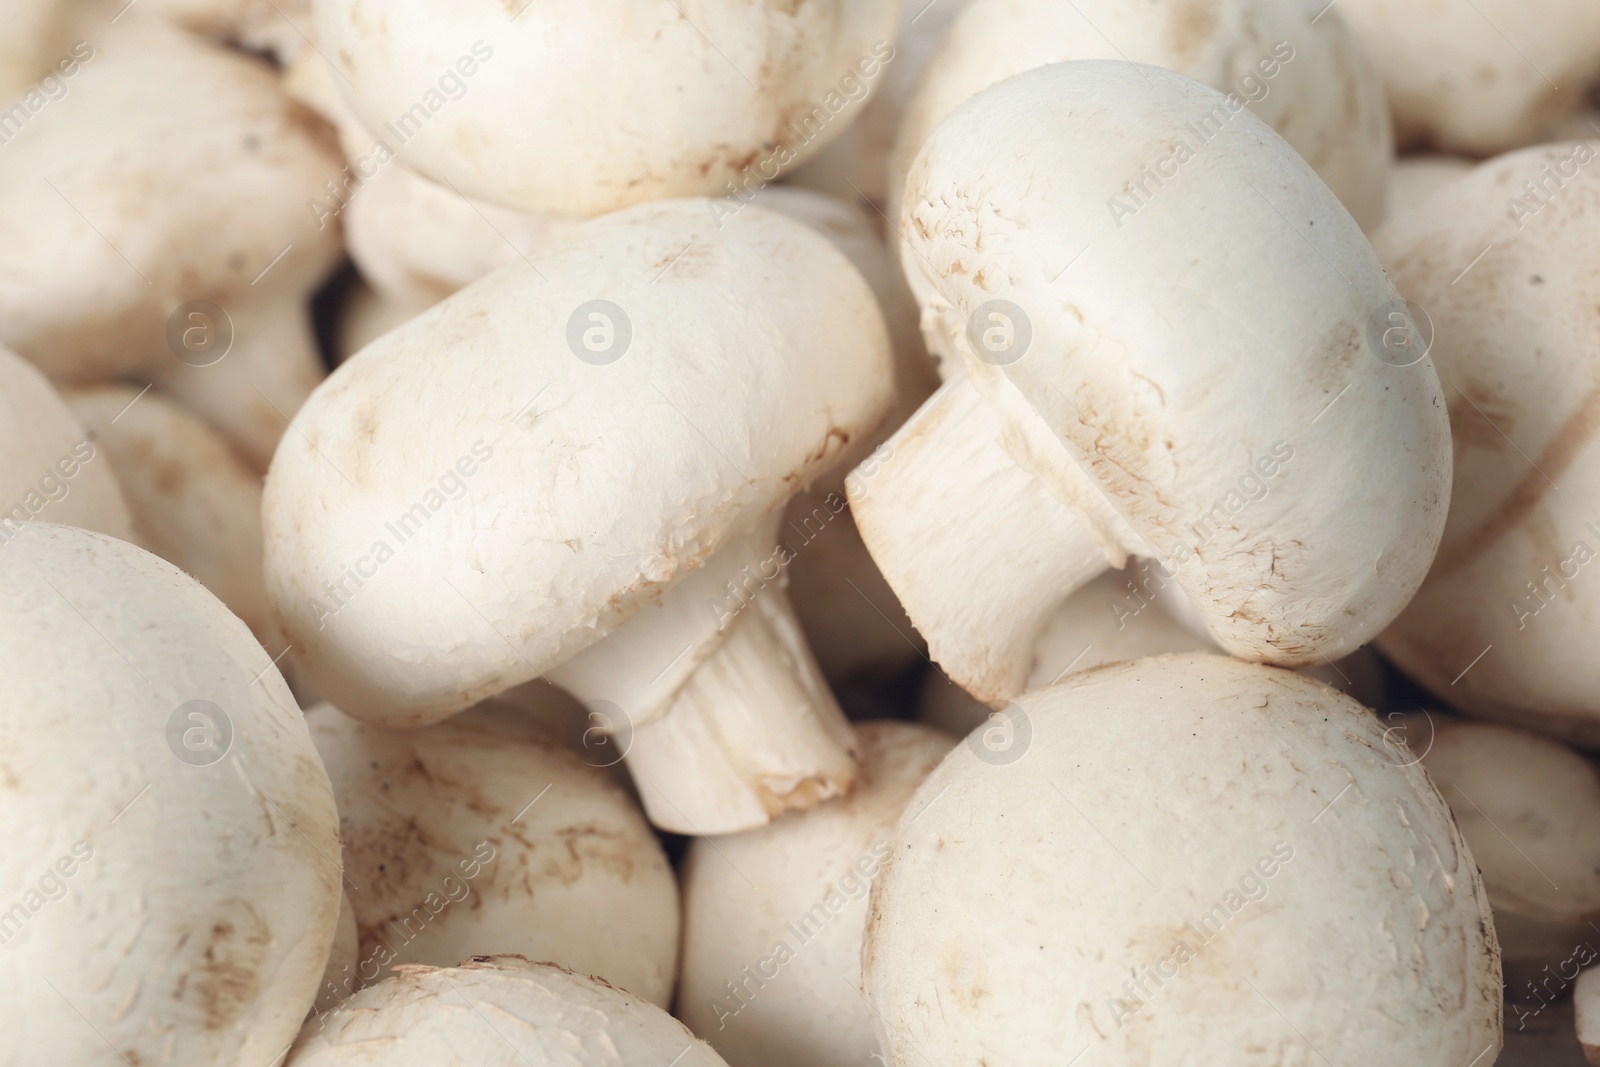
x,y
774,918
484,834
342,960
1118,353
282,27
1186,859
1299,71
51,468
172,851
1477,77
195,502
477,94
155,224
594,444
1499,263
35,53
1586,1001
499,1011
1414,177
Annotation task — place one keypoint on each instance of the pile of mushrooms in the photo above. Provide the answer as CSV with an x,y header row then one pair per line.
x,y
785,535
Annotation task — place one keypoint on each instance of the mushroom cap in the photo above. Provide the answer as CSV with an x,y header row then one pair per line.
x,y
475,93
1304,76
282,27
1190,860
1414,177
1586,1003
125,204
342,959
1529,808
812,871
456,850
147,723
741,363
50,468
1232,408
194,500
541,1014
1456,81
1515,328
35,31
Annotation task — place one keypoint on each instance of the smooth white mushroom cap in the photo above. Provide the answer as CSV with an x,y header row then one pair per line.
x,y
1226,413
1515,328
801,882
742,362
1478,76
51,468
484,834
1304,76
146,722
126,203
644,101
499,1011
1241,811
195,502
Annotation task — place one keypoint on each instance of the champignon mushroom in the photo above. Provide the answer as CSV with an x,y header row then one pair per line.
x,y
1586,1001
35,41
170,835
485,834
497,1011
1300,72
283,28
474,93
773,918
619,421
1185,859
1113,349
1476,77
1499,262
196,503
50,468
1414,177
342,960
123,247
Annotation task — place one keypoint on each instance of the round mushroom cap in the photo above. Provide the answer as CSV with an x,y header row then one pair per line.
x,y
1529,808
579,110
194,500
121,206
499,1011
790,901
1504,275
484,834
538,457
50,467
1189,860
171,840
1300,72
1477,77
1234,415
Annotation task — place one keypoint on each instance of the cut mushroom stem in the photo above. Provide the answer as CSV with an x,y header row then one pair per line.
x,y
984,553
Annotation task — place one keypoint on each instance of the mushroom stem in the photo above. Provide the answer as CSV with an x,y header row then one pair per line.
x,y
755,732
978,549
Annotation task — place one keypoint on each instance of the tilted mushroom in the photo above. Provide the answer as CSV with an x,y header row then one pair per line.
x,y
1300,72
1117,355
484,834
170,833
1499,263
619,422
51,469
774,918
195,502
1478,77
479,92
1190,860
123,248
1529,809
1414,177
540,1014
